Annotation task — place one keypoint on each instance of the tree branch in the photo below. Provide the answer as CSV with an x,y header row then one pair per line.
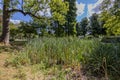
x,y
24,13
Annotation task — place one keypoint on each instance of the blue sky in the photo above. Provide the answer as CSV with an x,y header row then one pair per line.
x,y
85,3
85,9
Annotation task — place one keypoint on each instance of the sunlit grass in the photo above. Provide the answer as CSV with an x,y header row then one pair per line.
x,y
96,57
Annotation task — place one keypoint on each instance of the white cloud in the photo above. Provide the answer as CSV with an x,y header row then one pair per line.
x,y
15,21
92,8
80,8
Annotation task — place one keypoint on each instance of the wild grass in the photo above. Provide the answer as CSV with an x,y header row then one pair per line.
x,y
97,58
104,60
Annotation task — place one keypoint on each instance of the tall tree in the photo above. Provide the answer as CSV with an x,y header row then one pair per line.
x,y
59,10
78,29
84,23
6,19
28,7
95,24
71,18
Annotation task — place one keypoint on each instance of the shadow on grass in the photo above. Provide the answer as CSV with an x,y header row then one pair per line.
x,y
14,46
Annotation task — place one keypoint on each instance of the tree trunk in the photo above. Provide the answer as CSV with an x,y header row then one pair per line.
x,y
5,25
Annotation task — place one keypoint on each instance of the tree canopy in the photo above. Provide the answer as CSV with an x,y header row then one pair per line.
x,y
111,16
35,8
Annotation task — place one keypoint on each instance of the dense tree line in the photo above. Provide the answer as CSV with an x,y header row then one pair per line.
x,y
91,26
105,23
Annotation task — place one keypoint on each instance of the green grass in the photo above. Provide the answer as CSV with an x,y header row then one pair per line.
x,y
104,60
97,58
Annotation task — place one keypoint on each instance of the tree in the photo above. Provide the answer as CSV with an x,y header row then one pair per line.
x,y
71,18
59,9
84,23
28,29
10,7
28,7
13,31
95,24
59,12
78,29
0,20
113,25
111,16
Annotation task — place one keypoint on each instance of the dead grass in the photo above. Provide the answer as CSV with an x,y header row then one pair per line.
x,y
5,73
13,73
21,73
27,72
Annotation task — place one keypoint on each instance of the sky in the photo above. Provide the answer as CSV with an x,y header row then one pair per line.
x,y
85,8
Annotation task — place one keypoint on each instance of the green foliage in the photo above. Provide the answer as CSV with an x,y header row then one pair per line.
x,y
34,6
111,39
53,51
78,29
110,15
59,31
113,25
55,73
116,8
103,60
71,18
83,26
59,10
13,31
28,29
39,9
98,58
20,59
95,25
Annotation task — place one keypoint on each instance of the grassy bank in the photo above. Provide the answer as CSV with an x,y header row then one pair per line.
x,y
96,58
